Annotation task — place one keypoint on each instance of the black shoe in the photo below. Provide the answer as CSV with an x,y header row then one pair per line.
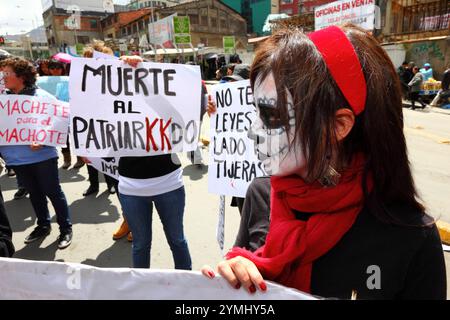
x,y
90,190
112,190
65,239
11,173
38,233
21,193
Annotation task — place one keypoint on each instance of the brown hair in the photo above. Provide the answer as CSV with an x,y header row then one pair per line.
x,y
298,66
96,45
23,69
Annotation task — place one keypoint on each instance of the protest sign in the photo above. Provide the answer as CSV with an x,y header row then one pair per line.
x,y
101,55
109,166
118,110
181,30
358,12
161,32
233,163
229,44
26,119
38,280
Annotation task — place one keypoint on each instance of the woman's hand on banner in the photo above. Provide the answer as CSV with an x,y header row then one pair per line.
x,y
85,160
132,60
35,146
238,271
211,107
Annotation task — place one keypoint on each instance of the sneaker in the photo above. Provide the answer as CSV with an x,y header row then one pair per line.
x,y
90,190
122,231
21,193
65,239
11,173
38,233
130,237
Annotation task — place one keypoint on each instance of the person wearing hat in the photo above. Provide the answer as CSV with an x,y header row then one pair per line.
x,y
426,71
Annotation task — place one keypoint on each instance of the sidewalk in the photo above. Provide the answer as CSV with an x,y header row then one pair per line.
x,y
407,104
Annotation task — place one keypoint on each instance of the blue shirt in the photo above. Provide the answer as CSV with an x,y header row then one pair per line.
x,y
427,74
21,155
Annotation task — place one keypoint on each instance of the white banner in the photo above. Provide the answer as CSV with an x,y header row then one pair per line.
x,y
118,110
86,5
109,166
26,119
161,32
40,280
358,12
233,163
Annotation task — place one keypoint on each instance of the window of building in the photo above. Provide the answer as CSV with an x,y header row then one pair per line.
x,y
214,22
223,24
83,39
135,29
193,19
93,24
287,11
204,21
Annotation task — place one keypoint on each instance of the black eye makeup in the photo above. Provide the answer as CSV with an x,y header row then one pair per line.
x,y
269,113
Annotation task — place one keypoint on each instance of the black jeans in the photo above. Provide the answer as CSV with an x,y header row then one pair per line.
x,y
41,180
93,179
415,96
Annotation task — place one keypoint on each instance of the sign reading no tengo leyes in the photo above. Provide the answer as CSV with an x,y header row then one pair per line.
x,y
181,30
233,163
26,119
119,110
358,12
229,45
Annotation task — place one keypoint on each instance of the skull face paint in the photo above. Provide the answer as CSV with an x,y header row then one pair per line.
x,y
270,136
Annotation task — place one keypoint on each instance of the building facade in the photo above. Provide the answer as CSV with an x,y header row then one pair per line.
x,y
117,25
63,30
210,20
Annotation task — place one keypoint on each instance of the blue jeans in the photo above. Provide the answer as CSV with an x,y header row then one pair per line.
x,y
41,180
138,213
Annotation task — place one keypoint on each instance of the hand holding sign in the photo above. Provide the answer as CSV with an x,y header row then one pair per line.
x,y
35,146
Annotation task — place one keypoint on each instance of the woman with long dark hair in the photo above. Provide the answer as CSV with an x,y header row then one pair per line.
x,y
344,211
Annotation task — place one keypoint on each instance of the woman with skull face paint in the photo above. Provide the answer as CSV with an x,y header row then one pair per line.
x,y
343,201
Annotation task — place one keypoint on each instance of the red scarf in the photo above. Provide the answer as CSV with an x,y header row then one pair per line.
x,y
293,245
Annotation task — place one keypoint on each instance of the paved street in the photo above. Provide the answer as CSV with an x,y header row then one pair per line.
x,y
96,218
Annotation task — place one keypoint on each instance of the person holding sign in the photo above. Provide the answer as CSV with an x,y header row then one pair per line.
x,y
345,218
36,165
153,181
96,47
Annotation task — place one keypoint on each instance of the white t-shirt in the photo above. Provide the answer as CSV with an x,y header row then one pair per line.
x,y
151,186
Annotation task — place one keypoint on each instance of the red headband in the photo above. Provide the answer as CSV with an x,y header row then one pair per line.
x,y
343,63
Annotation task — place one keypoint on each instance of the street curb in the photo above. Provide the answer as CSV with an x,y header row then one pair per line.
x,y
433,109
444,231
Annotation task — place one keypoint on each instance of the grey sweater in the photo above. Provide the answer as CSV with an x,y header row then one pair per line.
x,y
416,82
